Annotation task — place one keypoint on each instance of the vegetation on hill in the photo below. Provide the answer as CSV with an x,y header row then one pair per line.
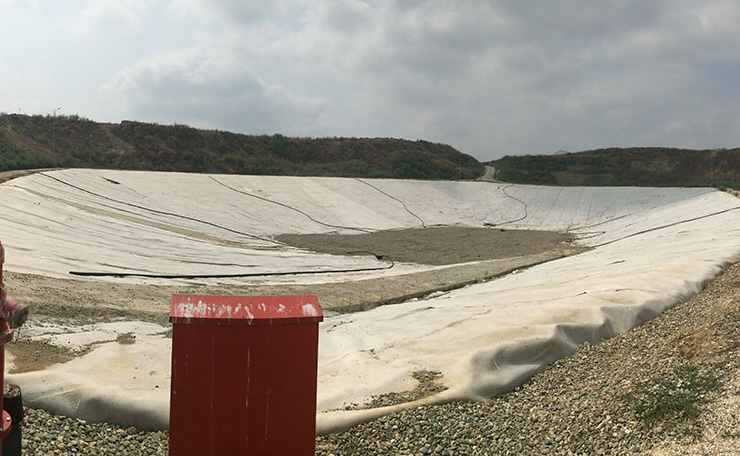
x,y
637,166
73,141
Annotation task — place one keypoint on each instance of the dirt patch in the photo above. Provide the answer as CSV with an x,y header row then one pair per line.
x,y
435,245
32,355
9,175
485,254
128,338
89,301
429,383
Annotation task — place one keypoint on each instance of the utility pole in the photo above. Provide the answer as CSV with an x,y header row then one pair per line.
x,y
54,132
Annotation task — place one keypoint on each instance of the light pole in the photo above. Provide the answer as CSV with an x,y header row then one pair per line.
x,y
54,132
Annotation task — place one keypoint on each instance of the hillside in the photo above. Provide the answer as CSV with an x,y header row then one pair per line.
x,y
73,141
637,166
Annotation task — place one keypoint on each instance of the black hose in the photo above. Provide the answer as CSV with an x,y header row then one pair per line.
x,y
170,214
680,222
364,230
515,199
423,225
390,265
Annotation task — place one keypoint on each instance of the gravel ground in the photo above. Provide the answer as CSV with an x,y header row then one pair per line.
x,y
668,387
596,402
437,245
47,434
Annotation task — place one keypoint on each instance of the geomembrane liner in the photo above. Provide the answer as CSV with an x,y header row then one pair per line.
x,y
652,248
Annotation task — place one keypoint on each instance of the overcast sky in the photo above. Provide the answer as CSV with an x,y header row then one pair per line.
x,y
487,77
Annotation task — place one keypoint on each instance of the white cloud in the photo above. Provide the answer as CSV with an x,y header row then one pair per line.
x,y
237,12
210,89
122,16
17,3
488,77
346,17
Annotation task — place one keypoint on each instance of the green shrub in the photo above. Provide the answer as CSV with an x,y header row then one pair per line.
x,y
673,398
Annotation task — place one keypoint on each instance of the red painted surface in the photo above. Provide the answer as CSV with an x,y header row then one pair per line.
x,y
243,375
6,335
3,294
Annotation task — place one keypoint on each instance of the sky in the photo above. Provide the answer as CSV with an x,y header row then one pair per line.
x,y
490,78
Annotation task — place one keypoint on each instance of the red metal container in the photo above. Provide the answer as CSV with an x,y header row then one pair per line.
x,y
243,375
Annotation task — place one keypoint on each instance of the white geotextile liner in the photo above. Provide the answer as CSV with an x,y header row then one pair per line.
x,y
653,248
190,224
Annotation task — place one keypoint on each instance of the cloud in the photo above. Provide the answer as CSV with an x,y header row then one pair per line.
x,y
17,3
563,74
210,89
345,17
488,77
122,16
237,12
